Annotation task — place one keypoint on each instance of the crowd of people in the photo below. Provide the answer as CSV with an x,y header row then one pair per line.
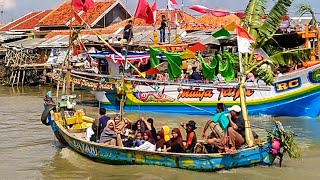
x,y
227,133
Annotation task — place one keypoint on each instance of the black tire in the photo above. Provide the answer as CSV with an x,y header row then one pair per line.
x,y
45,113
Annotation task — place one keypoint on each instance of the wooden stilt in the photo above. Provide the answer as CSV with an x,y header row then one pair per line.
x,y
23,76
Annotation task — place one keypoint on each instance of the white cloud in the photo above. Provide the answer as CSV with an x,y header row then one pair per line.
x,y
7,4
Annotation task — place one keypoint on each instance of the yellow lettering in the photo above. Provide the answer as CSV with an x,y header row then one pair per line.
x,y
282,86
293,83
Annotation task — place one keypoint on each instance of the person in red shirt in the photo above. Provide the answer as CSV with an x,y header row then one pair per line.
x,y
191,136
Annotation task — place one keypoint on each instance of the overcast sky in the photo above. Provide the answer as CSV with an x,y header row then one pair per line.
x,y
12,9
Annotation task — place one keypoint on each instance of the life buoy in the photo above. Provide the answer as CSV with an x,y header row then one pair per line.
x,y
45,114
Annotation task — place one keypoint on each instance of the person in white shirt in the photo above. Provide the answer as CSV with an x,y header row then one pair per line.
x,y
91,133
149,143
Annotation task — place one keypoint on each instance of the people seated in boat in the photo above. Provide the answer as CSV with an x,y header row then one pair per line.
x,y
163,142
191,135
149,143
219,78
153,129
218,124
158,136
108,135
137,140
141,125
235,133
176,142
92,133
102,120
196,75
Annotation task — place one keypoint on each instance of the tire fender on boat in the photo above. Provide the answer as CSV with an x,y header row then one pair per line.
x,y
45,114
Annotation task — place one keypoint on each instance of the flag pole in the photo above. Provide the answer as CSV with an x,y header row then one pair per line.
x,y
169,21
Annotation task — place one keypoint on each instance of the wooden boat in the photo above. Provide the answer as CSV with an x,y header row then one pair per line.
x,y
75,138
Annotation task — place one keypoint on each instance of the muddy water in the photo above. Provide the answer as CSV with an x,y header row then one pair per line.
x,y
28,149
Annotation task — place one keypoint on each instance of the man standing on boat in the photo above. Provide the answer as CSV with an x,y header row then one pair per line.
x,y
162,29
127,31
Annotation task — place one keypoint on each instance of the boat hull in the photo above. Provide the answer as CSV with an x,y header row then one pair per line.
x,y
296,94
197,162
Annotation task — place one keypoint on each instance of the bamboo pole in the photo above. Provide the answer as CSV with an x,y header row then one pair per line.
x,y
242,80
18,80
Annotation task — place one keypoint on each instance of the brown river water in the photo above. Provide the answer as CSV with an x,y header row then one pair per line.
x,y
29,150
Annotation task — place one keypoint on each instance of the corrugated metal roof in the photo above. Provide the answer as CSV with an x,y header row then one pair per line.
x,y
7,37
24,44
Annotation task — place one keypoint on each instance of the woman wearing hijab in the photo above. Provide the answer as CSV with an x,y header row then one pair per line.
x,y
149,143
176,142
108,135
163,144
153,129
141,125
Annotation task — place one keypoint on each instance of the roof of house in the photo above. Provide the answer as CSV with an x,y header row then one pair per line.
x,y
32,22
22,19
208,21
64,13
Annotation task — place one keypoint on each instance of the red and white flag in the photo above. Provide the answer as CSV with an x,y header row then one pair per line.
x,y
244,40
154,11
200,9
172,5
83,5
144,11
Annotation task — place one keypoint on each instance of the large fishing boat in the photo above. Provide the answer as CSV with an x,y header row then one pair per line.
x,y
293,94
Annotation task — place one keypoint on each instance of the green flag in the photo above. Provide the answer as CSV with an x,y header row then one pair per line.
x,y
221,34
208,70
228,73
174,64
153,56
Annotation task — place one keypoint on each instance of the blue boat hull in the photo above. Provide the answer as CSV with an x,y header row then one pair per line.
x,y
304,106
197,162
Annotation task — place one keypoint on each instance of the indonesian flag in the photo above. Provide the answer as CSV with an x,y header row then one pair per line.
x,y
154,11
83,5
244,40
144,12
172,5
200,9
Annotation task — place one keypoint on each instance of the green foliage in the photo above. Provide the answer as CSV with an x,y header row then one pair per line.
x,y
274,19
287,57
265,75
306,9
253,16
287,141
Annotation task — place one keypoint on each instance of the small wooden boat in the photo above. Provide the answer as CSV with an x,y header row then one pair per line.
x,y
75,138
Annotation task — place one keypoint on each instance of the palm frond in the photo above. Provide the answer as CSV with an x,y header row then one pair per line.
x,y
273,21
253,15
287,57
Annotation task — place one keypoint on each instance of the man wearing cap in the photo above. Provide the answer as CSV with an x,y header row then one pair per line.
x,y
236,129
235,132
191,135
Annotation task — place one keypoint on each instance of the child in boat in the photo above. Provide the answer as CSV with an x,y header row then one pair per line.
x,y
218,124
163,142
191,136
138,140
149,143
91,133
176,142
